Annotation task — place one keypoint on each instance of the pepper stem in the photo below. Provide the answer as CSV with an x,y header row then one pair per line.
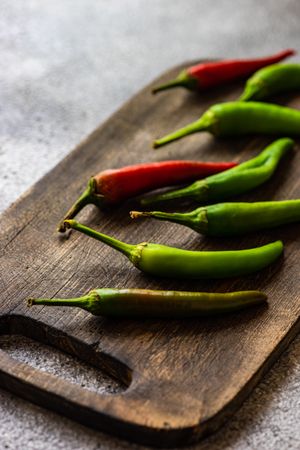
x,y
183,80
203,124
81,302
196,191
87,197
250,93
171,217
122,247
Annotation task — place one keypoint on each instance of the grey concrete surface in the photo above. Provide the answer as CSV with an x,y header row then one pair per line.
x,y
65,66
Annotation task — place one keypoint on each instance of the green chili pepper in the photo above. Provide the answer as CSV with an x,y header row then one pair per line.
x,y
272,80
149,303
231,219
164,261
239,118
237,180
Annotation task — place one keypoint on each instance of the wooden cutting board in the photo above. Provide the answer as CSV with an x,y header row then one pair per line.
x,y
184,378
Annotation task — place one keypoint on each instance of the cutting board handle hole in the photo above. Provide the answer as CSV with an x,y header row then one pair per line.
x,y
48,349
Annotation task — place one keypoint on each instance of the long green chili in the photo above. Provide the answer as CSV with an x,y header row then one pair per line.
x,y
272,80
151,303
241,118
237,180
164,261
232,219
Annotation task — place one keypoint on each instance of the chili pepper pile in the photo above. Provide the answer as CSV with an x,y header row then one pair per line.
x,y
211,182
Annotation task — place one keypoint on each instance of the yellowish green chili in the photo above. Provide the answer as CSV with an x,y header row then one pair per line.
x,y
151,303
164,261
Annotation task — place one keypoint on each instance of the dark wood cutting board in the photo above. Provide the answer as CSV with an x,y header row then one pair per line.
x,y
184,378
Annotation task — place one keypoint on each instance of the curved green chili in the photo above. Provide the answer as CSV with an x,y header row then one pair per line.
x,y
237,180
164,261
151,303
241,118
272,80
232,219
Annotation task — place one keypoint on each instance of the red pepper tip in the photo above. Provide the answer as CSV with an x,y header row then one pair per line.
x,y
290,51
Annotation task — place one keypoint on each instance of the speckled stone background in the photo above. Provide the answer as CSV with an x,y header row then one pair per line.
x,y
65,66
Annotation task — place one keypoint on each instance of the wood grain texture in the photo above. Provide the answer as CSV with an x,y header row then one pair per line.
x,y
184,378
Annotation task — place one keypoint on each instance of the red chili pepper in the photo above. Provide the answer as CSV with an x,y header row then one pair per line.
x,y
114,186
208,75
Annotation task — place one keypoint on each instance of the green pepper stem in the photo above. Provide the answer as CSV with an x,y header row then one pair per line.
x,y
87,197
183,80
77,301
197,191
160,215
185,131
205,123
249,93
122,247
169,85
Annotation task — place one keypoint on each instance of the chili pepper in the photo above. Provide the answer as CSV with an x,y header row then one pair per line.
x,y
272,80
164,261
211,74
113,186
237,180
241,118
149,303
231,219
